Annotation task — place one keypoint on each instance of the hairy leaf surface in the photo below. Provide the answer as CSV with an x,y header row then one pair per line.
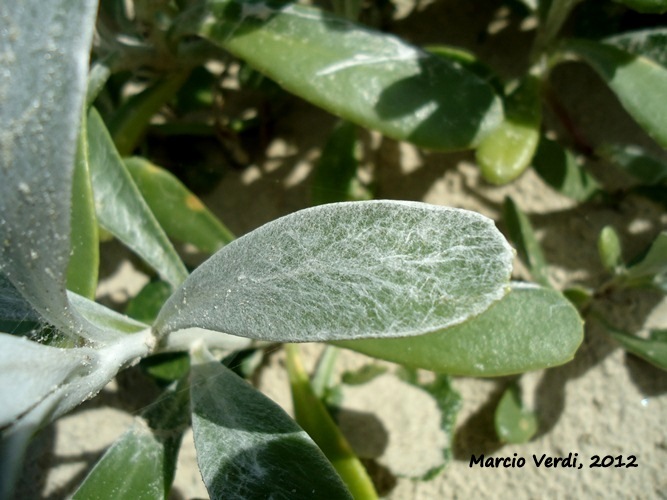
x,y
113,477
531,328
67,377
122,210
18,359
142,462
16,313
248,447
347,270
104,317
366,77
44,48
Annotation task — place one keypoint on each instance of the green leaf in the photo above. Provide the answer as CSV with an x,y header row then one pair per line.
x,y
531,328
346,270
522,234
639,83
142,462
369,78
580,296
514,424
313,417
112,476
42,88
469,61
651,43
646,6
128,125
507,151
652,350
69,377
182,215
559,168
642,165
197,92
146,305
105,318
651,270
121,208
167,367
609,248
335,175
247,446
85,255
363,375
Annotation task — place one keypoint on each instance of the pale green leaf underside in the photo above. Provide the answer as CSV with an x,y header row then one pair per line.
x,y
114,323
18,359
639,83
248,447
122,210
45,53
347,270
66,377
531,328
372,79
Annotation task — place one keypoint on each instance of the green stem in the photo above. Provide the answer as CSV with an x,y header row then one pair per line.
x,y
314,418
558,13
130,122
324,370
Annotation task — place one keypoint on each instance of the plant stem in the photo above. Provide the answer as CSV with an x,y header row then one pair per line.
x,y
183,340
558,13
324,370
131,121
314,418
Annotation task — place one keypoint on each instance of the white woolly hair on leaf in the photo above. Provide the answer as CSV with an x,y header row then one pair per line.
x,y
347,270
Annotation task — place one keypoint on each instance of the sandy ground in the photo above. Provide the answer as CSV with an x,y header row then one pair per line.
x,y
603,403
